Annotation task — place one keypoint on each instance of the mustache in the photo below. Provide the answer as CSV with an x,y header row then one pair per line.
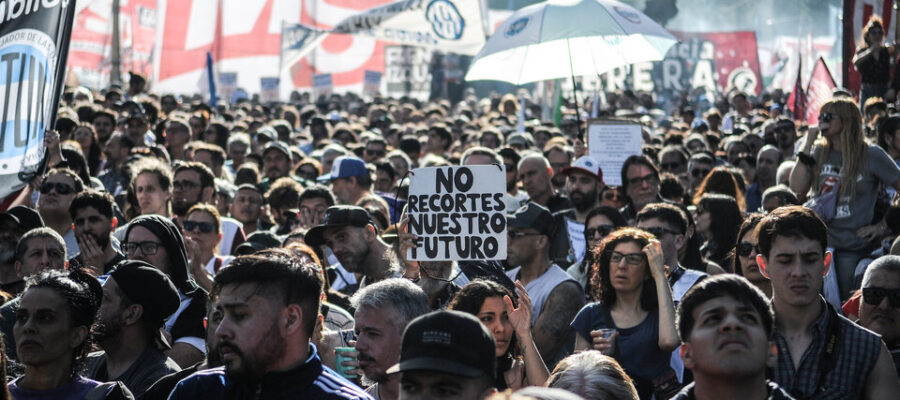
x,y
234,349
364,357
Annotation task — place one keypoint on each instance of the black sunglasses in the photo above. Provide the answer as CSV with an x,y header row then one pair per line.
x,y
659,231
699,173
670,166
60,188
874,296
379,153
601,231
827,117
205,227
745,248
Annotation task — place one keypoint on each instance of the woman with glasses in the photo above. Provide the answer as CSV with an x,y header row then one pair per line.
x,y
201,237
841,175
598,223
745,252
718,219
634,321
519,363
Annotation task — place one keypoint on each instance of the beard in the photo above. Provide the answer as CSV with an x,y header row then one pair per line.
x,y
102,240
250,365
583,201
108,329
353,261
181,207
370,378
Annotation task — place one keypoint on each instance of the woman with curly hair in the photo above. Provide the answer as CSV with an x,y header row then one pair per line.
x,y
841,174
634,321
53,337
519,363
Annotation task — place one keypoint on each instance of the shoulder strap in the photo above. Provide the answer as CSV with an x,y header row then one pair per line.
x,y
100,391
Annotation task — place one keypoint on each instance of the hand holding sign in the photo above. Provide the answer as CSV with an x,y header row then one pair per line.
x,y
457,213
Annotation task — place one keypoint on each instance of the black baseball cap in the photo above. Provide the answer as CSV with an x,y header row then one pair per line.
x,y
337,216
256,241
146,285
27,218
534,216
447,341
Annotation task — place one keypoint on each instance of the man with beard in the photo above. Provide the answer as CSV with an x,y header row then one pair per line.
x,y
584,182
13,224
785,137
58,189
104,122
269,306
353,238
93,222
383,310
137,298
276,164
195,183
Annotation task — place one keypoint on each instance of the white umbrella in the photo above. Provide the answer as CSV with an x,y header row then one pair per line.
x,y
563,38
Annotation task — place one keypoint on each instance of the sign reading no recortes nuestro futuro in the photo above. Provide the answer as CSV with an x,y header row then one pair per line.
x,y
458,213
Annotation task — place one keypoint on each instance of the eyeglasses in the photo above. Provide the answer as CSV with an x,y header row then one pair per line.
x,y
745,248
379,153
60,188
516,235
630,259
874,296
659,231
670,166
184,185
827,117
598,232
640,179
205,227
612,195
147,247
699,173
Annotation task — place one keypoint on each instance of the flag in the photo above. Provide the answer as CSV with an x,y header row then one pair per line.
x,y
34,45
818,91
796,102
211,77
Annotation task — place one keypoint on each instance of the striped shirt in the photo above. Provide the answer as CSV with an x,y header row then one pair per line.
x,y
311,380
855,352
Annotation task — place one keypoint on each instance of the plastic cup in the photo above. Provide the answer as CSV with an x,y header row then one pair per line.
x,y
339,361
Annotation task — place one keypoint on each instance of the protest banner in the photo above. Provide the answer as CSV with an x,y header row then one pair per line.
x,y
227,84
611,142
268,89
371,83
34,42
458,213
322,85
406,71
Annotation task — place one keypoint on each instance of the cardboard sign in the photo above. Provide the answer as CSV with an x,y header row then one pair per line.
x,y
228,83
268,89
611,143
322,85
458,213
371,83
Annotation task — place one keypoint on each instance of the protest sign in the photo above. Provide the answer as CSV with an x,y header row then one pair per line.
x,y
406,71
322,85
227,84
268,89
34,42
371,83
611,142
458,213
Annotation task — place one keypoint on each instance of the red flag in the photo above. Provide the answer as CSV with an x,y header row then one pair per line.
x,y
818,91
797,100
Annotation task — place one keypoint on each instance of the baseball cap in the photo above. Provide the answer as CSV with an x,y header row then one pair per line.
x,y
586,164
345,167
146,285
27,218
453,342
521,139
337,216
534,216
256,241
278,145
267,132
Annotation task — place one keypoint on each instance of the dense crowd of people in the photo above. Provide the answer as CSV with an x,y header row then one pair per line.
x,y
177,250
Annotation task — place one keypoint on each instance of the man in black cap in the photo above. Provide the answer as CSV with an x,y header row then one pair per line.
x,y
447,355
258,241
277,164
157,241
353,238
555,296
137,298
13,224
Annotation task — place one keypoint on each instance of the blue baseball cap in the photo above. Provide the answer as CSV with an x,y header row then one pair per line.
x,y
345,167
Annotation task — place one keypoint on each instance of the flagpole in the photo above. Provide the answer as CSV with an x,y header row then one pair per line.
x,y
574,89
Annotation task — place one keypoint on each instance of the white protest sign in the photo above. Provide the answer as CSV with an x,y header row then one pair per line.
x,y
371,83
611,143
458,213
227,84
322,85
269,89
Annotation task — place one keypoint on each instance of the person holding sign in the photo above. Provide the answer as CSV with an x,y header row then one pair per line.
x,y
555,296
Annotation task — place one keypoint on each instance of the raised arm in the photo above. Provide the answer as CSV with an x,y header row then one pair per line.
x,y
801,174
552,326
668,334
536,372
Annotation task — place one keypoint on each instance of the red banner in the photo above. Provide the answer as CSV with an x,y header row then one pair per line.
x,y
735,58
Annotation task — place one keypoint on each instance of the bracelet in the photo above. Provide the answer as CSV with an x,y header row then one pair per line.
x,y
806,159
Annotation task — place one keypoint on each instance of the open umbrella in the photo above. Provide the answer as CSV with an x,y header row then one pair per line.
x,y
563,38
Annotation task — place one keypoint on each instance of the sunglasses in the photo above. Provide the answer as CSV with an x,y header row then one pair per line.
x,y
659,231
379,153
670,166
60,188
641,179
205,227
184,185
745,248
874,296
630,259
598,232
699,173
613,195
827,117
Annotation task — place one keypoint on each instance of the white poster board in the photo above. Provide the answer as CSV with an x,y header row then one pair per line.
x,y
611,143
268,89
371,83
227,84
458,213
322,85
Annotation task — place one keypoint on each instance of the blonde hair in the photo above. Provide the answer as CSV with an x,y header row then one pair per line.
x,y
853,143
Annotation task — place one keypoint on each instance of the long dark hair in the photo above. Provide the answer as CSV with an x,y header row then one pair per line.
x,y
472,296
725,220
747,227
600,283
